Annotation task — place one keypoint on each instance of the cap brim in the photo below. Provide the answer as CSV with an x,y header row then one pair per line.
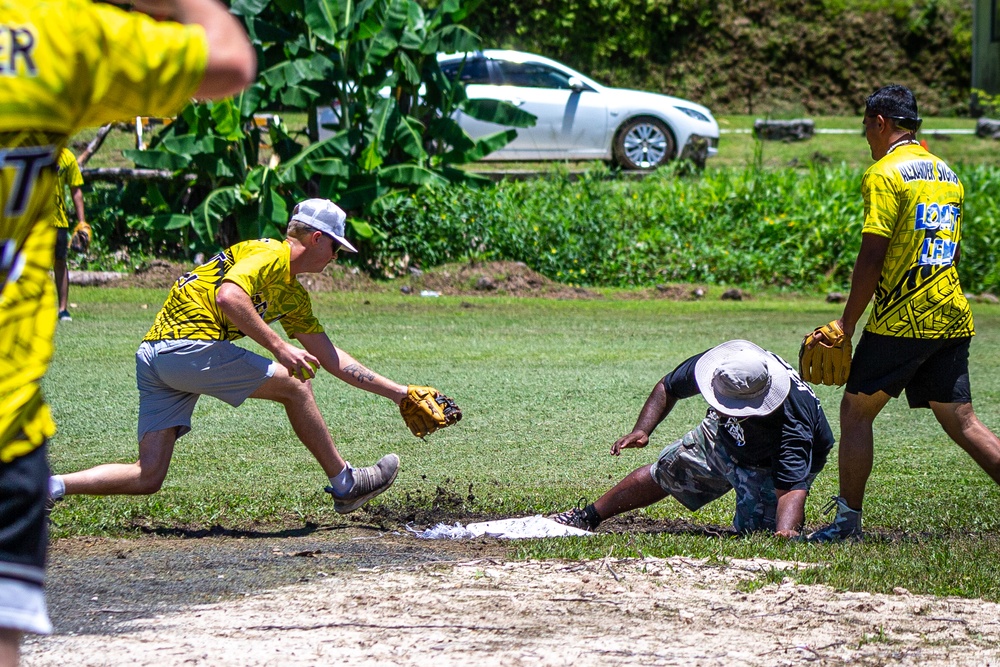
x,y
344,243
765,404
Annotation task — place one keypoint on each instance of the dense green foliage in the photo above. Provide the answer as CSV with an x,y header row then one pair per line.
x,y
752,56
785,227
377,62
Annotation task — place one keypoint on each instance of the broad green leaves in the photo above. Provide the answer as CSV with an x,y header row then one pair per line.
x,y
375,63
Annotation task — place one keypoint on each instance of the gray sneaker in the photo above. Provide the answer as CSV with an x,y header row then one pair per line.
x,y
846,525
368,483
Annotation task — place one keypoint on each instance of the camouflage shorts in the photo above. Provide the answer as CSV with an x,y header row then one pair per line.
x,y
695,471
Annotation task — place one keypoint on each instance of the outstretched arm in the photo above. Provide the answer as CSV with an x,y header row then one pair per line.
x,y
232,61
346,368
237,306
657,407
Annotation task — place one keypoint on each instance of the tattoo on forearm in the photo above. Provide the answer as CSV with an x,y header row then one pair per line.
x,y
359,373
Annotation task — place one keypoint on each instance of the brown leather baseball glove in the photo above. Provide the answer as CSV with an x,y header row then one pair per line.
x,y
425,410
80,241
828,360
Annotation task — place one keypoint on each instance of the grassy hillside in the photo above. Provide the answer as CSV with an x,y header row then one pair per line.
x,y
752,56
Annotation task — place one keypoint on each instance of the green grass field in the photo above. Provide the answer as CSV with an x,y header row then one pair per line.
x,y
546,386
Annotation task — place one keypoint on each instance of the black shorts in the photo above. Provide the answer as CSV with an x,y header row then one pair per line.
x,y
62,242
928,369
24,490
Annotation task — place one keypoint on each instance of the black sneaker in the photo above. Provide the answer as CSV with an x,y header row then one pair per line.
x,y
368,483
64,316
584,518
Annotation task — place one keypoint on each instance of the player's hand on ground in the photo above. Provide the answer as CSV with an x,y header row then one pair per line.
x,y
637,439
300,364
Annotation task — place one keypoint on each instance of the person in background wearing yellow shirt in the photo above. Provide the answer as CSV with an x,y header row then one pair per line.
x,y
69,177
66,65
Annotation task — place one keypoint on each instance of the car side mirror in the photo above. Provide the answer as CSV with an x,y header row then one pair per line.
x,y
576,85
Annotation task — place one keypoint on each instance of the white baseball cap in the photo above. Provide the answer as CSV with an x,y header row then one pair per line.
x,y
740,379
323,216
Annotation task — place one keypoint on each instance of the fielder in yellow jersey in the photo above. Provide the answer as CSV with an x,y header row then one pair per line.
x,y
262,269
918,335
65,65
189,352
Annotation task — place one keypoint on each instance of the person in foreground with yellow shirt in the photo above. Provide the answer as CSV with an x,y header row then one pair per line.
x,y
189,352
66,65
69,176
918,334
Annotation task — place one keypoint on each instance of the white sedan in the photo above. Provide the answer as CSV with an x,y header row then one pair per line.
x,y
578,118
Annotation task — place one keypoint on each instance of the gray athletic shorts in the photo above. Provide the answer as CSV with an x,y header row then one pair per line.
x,y
172,374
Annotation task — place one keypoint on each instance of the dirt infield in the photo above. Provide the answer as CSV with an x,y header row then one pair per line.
x,y
364,596
500,278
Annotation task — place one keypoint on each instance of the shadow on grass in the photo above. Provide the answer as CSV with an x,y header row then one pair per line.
x,y
309,528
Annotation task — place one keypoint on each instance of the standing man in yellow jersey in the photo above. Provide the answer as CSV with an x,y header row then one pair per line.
x,y
189,352
65,65
68,177
918,334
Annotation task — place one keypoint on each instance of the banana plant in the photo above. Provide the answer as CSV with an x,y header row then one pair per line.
x,y
375,63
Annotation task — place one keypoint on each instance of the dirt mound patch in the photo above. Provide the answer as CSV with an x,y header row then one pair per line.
x,y
159,273
682,292
502,278
491,278
340,278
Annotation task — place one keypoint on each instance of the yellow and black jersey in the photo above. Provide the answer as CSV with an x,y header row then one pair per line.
x,y
64,65
68,176
261,268
914,199
70,64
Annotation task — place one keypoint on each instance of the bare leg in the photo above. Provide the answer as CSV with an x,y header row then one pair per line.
x,y
62,283
305,418
10,646
143,477
857,443
963,426
638,489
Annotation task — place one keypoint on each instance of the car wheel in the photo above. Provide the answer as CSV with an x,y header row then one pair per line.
x,y
643,143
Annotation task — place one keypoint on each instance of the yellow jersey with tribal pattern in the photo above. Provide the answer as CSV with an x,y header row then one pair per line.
x,y
68,176
64,65
915,200
262,269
